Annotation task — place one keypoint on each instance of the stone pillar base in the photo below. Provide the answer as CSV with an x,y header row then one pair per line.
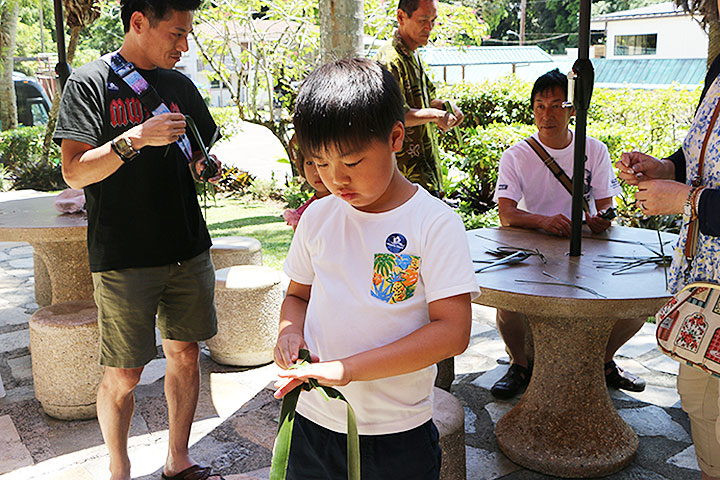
x,y
248,300
449,418
65,345
230,251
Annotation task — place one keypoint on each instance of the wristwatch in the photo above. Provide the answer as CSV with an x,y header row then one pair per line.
x,y
124,149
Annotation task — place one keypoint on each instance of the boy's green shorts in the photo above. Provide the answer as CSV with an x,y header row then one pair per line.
x,y
181,294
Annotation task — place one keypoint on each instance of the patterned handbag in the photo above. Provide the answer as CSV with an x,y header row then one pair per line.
x,y
688,327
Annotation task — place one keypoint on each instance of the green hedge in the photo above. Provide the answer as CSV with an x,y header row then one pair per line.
x,y
20,157
498,115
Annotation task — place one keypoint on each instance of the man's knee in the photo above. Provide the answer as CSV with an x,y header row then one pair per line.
x,y
181,353
120,380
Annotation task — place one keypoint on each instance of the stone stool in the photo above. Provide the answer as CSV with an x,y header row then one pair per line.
x,y
248,300
449,418
65,346
230,251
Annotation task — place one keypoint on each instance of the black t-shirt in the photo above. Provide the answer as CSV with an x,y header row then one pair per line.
x,y
146,213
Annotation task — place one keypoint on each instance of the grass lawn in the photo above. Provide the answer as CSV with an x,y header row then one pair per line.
x,y
245,217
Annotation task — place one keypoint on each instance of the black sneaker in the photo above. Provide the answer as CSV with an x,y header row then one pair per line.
x,y
620,379
516,378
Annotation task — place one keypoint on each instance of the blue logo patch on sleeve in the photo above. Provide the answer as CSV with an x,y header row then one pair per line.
x,y
502,186
396,243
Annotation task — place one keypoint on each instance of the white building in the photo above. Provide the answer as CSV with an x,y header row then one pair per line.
x,y
657,31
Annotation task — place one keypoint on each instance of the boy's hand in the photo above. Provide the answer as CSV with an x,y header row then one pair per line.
x,y
287,347
331,374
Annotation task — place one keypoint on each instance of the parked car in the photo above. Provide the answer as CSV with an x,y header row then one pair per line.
x,y
33,104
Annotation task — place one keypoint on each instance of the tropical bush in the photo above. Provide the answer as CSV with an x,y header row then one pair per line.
x,y
22,165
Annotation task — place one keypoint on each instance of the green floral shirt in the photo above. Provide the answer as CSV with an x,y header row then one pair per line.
x,y
419,159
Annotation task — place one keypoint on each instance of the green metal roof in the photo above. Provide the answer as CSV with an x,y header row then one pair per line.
x,y
472,55
649,72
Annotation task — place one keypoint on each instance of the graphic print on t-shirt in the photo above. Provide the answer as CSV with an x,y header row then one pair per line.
x,y
129,111
395,276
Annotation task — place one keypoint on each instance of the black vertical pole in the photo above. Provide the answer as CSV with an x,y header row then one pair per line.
x,y
583,91
62,69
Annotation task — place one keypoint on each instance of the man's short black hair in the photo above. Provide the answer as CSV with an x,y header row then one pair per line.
x,y
154,10
549,81
409,6
345,105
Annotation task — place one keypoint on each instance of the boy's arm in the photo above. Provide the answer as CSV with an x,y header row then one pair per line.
x,y
447,335
292,321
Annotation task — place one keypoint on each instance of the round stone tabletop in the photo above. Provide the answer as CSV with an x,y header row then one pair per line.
x,y
630,294
37,220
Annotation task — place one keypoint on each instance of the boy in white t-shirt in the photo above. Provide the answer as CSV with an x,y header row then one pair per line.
x,y
381,284
529,196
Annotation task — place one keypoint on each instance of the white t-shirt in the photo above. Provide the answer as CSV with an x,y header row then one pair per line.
x,y
372,277
523,177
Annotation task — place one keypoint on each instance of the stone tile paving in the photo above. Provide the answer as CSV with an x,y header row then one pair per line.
x,y
236,417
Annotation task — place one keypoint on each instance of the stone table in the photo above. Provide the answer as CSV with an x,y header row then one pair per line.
x,y
59,240
565,424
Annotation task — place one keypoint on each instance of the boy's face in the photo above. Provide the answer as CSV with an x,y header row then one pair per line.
x,y
363,178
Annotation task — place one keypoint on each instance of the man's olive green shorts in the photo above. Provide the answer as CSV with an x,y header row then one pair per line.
x,y
181,294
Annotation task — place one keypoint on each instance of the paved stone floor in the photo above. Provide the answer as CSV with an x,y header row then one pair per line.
x,y
236,418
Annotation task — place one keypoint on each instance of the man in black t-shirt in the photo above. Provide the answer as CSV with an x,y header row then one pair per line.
x,y
147,240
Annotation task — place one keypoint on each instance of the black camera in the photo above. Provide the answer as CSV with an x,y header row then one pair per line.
x,y
211,168
608,214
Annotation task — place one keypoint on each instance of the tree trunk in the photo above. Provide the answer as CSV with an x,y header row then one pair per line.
x,y
713,41
52,117
341,29
8,29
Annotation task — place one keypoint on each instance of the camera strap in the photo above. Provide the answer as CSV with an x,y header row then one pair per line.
x,y
556,170
146,93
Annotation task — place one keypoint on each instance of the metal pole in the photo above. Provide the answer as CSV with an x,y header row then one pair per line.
x,y
523,17
583,68
62,69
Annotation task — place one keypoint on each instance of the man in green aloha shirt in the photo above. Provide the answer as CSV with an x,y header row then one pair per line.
x,y
419,159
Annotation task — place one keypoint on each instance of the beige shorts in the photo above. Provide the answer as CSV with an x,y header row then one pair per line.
x,y
701,400
182,295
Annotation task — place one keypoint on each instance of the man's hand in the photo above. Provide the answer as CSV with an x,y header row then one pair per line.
x,y
448,120
662,197
199,163
598,224
558,225
156,131
634,167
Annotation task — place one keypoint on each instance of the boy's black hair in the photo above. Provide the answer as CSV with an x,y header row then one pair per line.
x,y
345,105
154,10
549,81
409,6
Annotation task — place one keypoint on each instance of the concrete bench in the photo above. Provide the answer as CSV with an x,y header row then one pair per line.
x,y
248,300
65,350
230,251
449,418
